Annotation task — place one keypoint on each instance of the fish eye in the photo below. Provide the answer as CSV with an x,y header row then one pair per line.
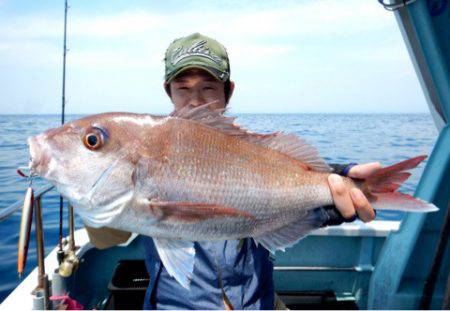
x,y
94,138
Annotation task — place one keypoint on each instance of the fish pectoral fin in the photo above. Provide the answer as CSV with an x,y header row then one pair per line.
x,y
192,211
177,256
290,234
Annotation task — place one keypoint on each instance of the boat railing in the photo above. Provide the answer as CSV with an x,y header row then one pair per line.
x,y
10,210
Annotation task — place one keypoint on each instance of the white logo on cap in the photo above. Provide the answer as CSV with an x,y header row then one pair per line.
x,y
197,49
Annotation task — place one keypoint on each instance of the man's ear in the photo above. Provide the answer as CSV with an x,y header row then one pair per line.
x,y
166,87
231,91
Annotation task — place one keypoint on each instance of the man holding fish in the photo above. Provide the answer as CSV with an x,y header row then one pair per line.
x,y
197,73
214,197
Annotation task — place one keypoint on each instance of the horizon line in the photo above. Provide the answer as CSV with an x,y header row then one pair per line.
x,y
159,113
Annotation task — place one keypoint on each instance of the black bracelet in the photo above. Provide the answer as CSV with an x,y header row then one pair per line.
x,y
333,216
347,169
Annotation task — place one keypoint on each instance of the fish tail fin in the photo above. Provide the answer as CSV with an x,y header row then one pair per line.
x,y
381,188
402,202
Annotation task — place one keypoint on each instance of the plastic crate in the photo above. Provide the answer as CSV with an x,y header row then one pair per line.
x,y
128,285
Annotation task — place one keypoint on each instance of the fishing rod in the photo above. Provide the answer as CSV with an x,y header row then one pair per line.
x,y
63,103
67,260
63,115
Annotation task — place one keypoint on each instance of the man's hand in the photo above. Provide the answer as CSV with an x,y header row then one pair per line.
x,y
350,203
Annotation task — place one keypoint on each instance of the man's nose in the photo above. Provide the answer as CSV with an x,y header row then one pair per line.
x,y
196,100
195,103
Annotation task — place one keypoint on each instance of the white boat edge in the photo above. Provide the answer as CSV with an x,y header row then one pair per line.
x,y
21,298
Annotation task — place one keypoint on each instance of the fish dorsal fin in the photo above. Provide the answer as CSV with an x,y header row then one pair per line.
x,y
285,143
216,119
294,147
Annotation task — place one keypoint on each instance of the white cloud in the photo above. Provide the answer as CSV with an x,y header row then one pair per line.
x,y
5,46
15,28
29,54
312,19
254,54
244,32
108,59
118,25
315,18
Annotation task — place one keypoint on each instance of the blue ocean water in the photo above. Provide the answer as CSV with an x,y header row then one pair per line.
x,y
340,138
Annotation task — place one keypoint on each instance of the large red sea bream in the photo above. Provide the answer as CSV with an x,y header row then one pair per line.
x,y
195,176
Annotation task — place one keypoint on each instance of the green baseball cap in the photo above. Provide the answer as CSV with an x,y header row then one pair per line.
x,y
197,51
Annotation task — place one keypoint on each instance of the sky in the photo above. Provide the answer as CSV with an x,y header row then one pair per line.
x,y
317,56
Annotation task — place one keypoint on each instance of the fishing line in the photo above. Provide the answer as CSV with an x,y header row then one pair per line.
x,y
28,176
19,171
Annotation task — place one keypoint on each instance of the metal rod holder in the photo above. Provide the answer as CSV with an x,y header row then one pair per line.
x,y
71,229
38,300
39,244
43,284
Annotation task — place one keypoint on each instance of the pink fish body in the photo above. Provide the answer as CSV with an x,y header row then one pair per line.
x,y
196,176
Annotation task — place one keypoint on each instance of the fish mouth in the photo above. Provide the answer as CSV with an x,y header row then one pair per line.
x,y
39,159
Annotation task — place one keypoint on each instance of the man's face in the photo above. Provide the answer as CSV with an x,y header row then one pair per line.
x,y
197,87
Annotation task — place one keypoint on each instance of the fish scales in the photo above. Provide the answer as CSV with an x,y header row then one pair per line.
x,y
251,182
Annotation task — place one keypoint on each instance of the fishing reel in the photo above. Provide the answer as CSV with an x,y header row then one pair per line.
x,y
69,264
68,260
